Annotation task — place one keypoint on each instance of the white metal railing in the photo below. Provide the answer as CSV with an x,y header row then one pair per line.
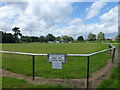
x,y
41,54
66,54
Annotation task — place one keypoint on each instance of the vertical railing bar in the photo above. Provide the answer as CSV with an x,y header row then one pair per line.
x,y
33,67
88,62
110,47
113,54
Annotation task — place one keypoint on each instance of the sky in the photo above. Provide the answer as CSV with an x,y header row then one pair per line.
x,y
60,18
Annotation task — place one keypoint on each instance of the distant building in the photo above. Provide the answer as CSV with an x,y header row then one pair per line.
x,y
113,39
57,41
50,42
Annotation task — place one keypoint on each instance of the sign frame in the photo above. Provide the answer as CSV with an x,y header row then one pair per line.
x,y
65,55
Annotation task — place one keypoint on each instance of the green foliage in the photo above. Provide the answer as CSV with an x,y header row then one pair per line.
x,y
50,37
29,39
101,36
10,82
7,37
26,39
80,38
113,80
67,38
16,33
118,37
42,39
91,37
58,39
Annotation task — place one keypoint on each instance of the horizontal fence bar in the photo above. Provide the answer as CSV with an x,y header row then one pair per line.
x,y
41,54
101,51
23,53
67,54
111,45
77,54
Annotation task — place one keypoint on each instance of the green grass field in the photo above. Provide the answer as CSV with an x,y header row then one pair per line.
x,y
20,83
113,80
74,68
54,47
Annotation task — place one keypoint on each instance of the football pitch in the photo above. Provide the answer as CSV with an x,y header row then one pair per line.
x,y
75,67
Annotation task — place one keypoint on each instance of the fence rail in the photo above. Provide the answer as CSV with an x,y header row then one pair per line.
x,y
41,54
111,47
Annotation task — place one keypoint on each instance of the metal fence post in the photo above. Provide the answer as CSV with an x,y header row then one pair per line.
x,y
33,67
110,47
88,62
113,54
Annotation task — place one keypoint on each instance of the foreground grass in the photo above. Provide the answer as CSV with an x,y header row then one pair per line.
x,y
113,80
76,67
10,82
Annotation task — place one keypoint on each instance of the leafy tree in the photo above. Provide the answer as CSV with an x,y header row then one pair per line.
x,y
23,38
34,39
91,37
101,36
58,38
80,38
26,39
30,39
118,37
16,33
42,39
67,38
7,38
71,39
50,37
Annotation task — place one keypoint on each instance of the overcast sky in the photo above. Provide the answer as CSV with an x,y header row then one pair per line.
x,y
60,18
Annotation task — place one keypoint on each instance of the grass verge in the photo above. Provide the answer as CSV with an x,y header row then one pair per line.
x,y
113,80
10,82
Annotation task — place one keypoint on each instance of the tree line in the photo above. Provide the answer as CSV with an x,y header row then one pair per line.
x,y
18,37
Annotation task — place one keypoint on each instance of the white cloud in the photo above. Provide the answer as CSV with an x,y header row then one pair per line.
x,y
112,15
94,9
36,16
75,21
111,20
41,18
108,24
19,5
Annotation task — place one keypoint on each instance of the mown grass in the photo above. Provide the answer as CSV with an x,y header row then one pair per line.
x,y
10,82
74,68
117,46
113,80
54,47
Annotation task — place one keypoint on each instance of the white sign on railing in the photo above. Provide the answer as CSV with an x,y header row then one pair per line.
x,y
56,65
57,60
57,57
